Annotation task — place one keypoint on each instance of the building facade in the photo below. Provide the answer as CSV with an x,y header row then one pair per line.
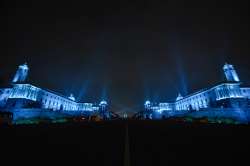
x,y
20,94
228,94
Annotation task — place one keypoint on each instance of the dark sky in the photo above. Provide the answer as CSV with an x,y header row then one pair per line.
x,y
124,51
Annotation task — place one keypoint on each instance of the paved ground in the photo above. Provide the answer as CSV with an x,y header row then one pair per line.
x,y
144,143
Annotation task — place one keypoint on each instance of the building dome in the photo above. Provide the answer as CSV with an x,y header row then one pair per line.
x,y
72,97
179,97
147,103
103,102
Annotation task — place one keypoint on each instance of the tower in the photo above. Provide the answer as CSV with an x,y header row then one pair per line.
x,y
230,73
21,73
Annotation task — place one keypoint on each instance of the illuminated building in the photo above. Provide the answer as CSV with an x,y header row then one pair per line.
x,y
22,95
226,95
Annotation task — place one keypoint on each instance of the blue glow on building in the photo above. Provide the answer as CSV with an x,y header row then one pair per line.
x,y
21,73
228,95
24,95
45,98
230,73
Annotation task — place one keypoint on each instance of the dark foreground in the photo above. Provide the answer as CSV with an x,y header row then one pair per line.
x,y
103,143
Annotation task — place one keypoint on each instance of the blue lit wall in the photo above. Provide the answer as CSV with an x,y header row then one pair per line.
x,y
25,93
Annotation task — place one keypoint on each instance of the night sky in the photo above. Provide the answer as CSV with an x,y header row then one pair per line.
x,y
124,52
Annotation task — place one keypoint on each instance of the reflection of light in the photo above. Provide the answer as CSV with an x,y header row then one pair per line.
x,y
160,110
